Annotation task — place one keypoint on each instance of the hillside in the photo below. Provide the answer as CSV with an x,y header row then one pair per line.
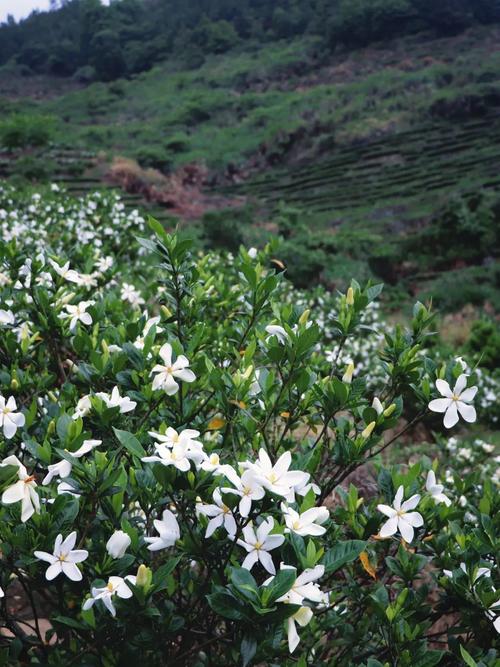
x,y
363,146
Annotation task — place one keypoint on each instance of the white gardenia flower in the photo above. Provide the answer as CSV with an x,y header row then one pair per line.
x,y
179,456
302,589
118,544
77,314
247,487
212,464
171,437
115,586
22,491
64,467
166,374
278,331
6,317
83,407
307,523
258,545
436,490
65,272
400,516
114,400
377,406
153,321
455,401
219,513
64,558
10,420
168,529
277,478
303,616
132,295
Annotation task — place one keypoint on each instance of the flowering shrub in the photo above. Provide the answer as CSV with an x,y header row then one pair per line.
x,y
175,454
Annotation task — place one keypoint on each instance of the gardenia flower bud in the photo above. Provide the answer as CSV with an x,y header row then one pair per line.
x,y
349,299
144,576
305,316
118,544
347,377
166,311
388,411
366,433
14,384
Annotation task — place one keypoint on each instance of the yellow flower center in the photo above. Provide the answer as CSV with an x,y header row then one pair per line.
x,y
455,397
258,545
6,411
296,524
62,557
110,587
272,477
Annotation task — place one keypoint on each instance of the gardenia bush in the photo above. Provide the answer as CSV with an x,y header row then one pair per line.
x,y
177,436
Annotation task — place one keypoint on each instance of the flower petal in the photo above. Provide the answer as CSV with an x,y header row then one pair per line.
x,y
451,415
468,412
444,388
440,404
468,394
406,529
389,527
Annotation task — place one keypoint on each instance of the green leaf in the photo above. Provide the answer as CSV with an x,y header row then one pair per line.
x,y
281,584
342,553
243,581
248,649
7,472
130,442
164,570
226,605
468,659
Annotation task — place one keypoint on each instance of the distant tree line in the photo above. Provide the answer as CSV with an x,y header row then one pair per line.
x,y
85,39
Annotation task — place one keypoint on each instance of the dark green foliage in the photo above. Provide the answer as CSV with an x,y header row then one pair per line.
x,y
224,229
130,36
466,230
23,130
32,168
484,343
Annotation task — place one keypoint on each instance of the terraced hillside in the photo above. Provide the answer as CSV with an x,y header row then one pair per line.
x,y
407,172
78,171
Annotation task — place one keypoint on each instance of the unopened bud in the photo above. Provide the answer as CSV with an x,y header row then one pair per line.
x,y
366,433
14,384
377,406
166,311
52,396
144,576
388,411
248,372
51,427
349,299
305,316
105,346
347,377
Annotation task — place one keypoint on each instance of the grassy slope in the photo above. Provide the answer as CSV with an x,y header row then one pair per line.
x,y
377,163
364,94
